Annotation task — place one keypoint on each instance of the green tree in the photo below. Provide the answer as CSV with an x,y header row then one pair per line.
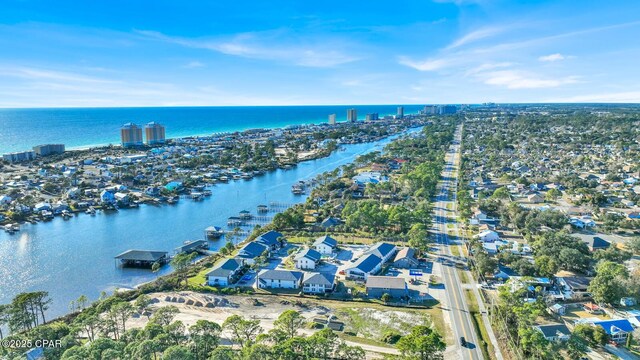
x,y
289,322
422,343
386,297
205,336
608,286
243,331
178,352
594,335
181,262
164,315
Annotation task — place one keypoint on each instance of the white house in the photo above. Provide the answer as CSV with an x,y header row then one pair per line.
x,y
279,279
318,283
224,272
307,259
488,236
325,245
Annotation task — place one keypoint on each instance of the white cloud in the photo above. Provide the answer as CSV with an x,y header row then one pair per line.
x,y
552,57
475,36
427,65
193,65
513,79
277,45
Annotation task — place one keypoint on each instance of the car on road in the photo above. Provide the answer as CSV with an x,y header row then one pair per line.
x,y
463,341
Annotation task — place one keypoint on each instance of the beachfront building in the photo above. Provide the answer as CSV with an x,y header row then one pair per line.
x,y
131,135
332,119
352,115
154,133
17,157
48,149
400,112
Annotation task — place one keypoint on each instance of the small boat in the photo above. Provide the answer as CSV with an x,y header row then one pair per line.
x,y
90,211
206,193
12,228
237,177
173,200
66,214
224,179
246,176
196,196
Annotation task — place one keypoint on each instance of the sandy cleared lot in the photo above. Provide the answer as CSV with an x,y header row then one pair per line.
x,y
263,308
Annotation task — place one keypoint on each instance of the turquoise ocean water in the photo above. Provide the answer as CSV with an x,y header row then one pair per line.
x,y
21,129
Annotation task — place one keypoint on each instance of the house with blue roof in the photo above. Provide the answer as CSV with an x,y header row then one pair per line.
x,y
325,245
307,259
618,329
383,250
271,239
251,251
367,264
225,272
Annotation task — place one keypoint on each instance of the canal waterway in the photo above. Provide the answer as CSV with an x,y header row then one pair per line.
x,y
72,257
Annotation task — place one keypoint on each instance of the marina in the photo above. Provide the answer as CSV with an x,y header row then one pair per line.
x,y
75,257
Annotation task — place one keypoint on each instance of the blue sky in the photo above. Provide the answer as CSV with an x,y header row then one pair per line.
x,y
173,53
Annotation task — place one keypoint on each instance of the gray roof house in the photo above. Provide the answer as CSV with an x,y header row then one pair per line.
x,y
378,285
406,258
279,279
554,332
318,283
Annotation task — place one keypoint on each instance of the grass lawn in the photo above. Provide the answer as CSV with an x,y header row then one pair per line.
x,y
463,276
365,341
199,279
342,239
478,324
455,250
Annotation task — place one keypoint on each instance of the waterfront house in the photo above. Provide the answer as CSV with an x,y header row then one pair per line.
x,y
365,265
325,245
376,286
554,332
224,272
406,258
279,279
318,283
307,259
271,239
107,197
617,329
252,250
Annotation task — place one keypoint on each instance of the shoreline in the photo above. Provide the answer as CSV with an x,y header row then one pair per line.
x,y
139,195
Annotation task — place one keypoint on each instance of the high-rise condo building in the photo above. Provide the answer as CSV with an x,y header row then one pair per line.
x,y
48,149
131,135
352,115
332,119
400,113
154,133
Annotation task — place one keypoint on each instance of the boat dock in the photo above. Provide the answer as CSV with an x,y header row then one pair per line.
x,y
192,246
142,258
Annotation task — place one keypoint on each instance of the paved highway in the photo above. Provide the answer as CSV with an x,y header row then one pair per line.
x,y
459,311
